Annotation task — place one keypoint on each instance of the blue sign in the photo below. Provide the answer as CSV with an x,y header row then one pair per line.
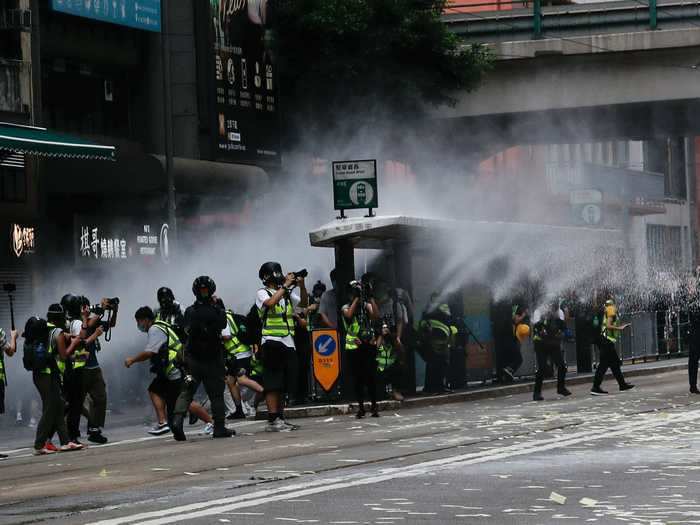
x,y
325,345
140,14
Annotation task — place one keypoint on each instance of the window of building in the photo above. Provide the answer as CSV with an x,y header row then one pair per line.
x,y
664,248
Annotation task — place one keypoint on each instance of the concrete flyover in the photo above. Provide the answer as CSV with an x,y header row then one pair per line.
x,y
581,81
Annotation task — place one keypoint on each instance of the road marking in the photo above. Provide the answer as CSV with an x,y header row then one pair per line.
x,y
299,490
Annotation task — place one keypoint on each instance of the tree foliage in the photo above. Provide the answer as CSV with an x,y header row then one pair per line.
x,y
369,58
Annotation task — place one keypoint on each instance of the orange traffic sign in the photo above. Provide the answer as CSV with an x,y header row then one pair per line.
x,y
326,358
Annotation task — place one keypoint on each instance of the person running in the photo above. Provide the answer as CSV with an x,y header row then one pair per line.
x,y
610,330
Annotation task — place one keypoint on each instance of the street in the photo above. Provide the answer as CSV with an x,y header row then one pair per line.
x,y
630,456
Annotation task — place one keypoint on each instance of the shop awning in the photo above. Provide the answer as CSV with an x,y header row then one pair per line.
x,y
40,141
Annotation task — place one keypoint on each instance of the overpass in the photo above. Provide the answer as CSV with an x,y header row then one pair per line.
x,y
573,73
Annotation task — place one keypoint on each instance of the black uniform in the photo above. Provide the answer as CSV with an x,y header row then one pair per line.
x,y
694,348
204,359
547,337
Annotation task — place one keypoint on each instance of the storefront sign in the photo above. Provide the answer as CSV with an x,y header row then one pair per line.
x,y
326,358
119,240
140,14
22,240
245,94
355,184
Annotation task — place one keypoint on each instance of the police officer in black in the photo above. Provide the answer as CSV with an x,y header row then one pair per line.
x,y
547,337
169,311
694,333
204,357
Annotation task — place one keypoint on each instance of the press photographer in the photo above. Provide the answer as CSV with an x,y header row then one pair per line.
x,y
88,323
360,342
275,304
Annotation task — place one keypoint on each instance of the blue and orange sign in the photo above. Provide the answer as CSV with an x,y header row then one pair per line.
x,y
326,358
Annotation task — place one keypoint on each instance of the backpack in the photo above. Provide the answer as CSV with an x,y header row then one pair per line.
x,y
253,327
35,352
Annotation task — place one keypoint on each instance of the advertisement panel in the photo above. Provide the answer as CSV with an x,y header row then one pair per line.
x,y
245,103
139,14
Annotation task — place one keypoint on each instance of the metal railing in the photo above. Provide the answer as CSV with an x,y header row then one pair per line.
x,y
538,19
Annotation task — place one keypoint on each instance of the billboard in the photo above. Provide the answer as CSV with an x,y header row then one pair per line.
x,y
244,73
139,14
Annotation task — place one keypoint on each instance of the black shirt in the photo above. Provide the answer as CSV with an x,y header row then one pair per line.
x,y
203,325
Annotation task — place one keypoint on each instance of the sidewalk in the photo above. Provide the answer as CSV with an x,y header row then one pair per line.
x,y
484,391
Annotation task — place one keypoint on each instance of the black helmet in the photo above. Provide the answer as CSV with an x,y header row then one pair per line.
x,y
271,271
202,282
71,305
166,298
56,315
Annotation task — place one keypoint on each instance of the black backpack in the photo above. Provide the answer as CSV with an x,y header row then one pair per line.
x,y
253,327
35,353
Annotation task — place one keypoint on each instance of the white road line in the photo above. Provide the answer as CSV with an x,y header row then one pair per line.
x,y
298,490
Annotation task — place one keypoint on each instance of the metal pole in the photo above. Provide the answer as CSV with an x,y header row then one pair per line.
x,y
652,14
168,126
537,19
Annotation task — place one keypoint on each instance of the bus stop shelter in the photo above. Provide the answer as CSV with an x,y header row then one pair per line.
x,y
407,242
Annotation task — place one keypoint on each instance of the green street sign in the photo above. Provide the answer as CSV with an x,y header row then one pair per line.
x,y
355,185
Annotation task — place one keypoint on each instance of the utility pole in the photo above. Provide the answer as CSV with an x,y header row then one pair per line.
x,y
168,126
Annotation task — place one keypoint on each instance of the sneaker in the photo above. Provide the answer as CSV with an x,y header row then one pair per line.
x,y
564,392
248,409
290,426
95,436
43,452
19,420
626,386
508,374
277,426
32,422
50,446
238,414
209,429
159,429
70,446
597,391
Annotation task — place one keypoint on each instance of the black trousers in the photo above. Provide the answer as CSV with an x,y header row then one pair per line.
x,y
549,353
363,363
211,374
435,370
52,409
693,358
608,359
79,383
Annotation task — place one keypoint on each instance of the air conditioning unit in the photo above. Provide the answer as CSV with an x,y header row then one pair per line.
x,y
17,19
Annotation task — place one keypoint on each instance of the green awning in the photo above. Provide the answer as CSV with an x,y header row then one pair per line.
x,y
40,141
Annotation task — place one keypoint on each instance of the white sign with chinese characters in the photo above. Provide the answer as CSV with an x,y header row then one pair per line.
x,y
94,244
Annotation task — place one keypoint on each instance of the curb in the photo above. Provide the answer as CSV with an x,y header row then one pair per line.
x,y
474,395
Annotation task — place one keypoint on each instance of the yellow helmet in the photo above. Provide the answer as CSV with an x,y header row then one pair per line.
x,y
522,332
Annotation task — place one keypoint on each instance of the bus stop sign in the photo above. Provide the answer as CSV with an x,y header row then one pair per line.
x,y
326,358
355,185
